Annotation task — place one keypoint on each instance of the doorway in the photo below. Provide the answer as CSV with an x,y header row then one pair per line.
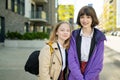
x,y
2,29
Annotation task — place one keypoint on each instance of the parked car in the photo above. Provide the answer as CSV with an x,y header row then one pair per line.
x,y
118,33
115,33
112,33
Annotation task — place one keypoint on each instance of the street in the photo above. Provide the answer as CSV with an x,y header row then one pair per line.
x,y
12,61
111,69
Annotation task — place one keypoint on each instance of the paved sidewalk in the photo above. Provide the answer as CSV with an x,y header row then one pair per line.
x,y
111,69
113,42
12,61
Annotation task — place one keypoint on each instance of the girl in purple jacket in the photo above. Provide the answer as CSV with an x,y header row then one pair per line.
x,y
85,55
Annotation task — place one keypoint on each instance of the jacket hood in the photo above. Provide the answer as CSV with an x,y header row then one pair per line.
x,y
99,36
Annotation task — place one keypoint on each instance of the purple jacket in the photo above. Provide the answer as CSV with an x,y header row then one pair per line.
x,y
95,62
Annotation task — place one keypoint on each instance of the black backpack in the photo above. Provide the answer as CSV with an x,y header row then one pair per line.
x,y
32,64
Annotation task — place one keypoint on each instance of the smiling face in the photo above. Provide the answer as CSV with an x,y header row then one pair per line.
x,y
90,14
63,32
86,21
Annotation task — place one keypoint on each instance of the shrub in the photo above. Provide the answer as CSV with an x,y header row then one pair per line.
x,y
13,35
27,36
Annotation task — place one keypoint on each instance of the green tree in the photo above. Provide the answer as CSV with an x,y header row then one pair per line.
x,y
65,12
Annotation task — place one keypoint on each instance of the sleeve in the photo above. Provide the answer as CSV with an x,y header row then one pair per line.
x,y
97,63
72,63
44,64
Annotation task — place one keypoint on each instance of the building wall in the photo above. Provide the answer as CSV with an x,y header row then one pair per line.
x,y
51,12
109,15
13,21
118,13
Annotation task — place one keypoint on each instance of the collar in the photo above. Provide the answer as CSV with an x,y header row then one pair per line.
x,y
54,45
90,36
61,46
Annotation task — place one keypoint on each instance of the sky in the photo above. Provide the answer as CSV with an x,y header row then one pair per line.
x,y
97,5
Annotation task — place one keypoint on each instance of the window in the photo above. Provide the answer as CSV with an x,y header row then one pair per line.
x,y
26,29
17,6
39,10
2,29
0,25
56,4
32,11
8,4
22,5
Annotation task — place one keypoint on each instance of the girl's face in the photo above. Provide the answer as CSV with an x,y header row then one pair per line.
x,y
63,32
86,21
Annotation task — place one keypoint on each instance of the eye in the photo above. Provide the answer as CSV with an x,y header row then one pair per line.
x,y
68,30
88,16
62,30
82,17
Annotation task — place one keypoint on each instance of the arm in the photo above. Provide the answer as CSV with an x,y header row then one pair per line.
x,y
96,64
44,64
72,61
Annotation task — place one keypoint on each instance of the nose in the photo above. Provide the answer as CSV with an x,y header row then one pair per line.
x,y
66,31
84,19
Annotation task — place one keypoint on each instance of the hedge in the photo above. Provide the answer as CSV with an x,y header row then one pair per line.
x,y
27,36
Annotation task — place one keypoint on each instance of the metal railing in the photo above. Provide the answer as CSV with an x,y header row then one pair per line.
x,y
38,15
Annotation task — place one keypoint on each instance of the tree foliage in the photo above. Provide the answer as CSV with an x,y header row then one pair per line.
x,y
65,12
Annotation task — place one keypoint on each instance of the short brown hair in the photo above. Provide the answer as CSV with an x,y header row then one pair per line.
x,y
89,11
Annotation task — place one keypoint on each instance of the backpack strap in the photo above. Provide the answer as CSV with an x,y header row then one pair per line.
x,y
51,48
